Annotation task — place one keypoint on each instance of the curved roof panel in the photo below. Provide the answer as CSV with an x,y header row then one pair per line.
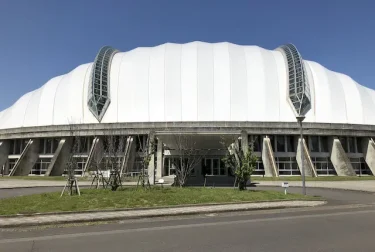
x,y
194,82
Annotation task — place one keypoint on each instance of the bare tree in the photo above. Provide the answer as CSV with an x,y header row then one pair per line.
x,y
146,150
72,163
114,152
189,157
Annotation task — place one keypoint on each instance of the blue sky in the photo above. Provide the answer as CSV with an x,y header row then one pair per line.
x,y
41,39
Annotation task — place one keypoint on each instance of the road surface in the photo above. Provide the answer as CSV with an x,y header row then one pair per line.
x,y
347,223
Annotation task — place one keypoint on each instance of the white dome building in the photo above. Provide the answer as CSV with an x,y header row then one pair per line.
x,y
203,89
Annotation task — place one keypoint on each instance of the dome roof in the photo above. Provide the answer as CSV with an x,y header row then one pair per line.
x,y
194,82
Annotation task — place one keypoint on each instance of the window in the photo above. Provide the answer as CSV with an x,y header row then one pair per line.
x,y
280,145
99,98
56,143
314,143
344,143
299,90
360,167
11,146
290,143
323,166
213,166
351,146
171,164
48,145
287,166
259,169
272,141
81,162
318,143
359,144
41,166
12,162
18,147
255,141
323,144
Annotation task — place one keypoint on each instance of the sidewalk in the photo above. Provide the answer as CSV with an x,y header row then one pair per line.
x,y
24,183
59,218
359,185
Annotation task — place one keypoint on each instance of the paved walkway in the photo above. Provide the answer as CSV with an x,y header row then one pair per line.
x,y
358,185
24,183
137,213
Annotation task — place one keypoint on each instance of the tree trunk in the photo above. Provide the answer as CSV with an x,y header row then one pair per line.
x,y
241,185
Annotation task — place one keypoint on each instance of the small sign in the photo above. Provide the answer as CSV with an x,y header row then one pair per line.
x,y
285,184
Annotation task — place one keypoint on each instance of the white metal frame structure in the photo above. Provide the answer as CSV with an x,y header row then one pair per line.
x,y
299,90
99,93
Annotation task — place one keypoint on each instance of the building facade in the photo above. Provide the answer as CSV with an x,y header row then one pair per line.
x,y
205,91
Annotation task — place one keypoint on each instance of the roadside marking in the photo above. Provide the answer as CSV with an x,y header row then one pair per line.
x,y
148,229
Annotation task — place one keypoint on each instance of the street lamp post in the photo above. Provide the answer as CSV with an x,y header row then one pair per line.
x,y
300,119
299,93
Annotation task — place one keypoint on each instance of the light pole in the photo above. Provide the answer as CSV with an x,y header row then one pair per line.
x,y
300,119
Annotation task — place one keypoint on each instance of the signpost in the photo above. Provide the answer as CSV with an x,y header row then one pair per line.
x,y
285,185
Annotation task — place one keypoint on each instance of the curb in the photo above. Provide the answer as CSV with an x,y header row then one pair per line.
x,y
153,208
327,188
110,218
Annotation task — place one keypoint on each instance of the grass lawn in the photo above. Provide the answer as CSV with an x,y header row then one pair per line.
x,y
322,178
134,198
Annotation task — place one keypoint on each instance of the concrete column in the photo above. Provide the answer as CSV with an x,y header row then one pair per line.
x,y
151,165
307,163
244,141
268,159
60,158
92,152
4,153
127,152
27,160
340,160
131,160
369,154
159,161
6,170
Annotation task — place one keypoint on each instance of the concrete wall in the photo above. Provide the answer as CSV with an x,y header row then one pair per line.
x,y
339,159
151,165
4,152
307,163
60,158
27,159
244,141
220,128
159,160
369,154
270,169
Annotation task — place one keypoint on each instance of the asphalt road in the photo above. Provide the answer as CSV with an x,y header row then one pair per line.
x,y
345,224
